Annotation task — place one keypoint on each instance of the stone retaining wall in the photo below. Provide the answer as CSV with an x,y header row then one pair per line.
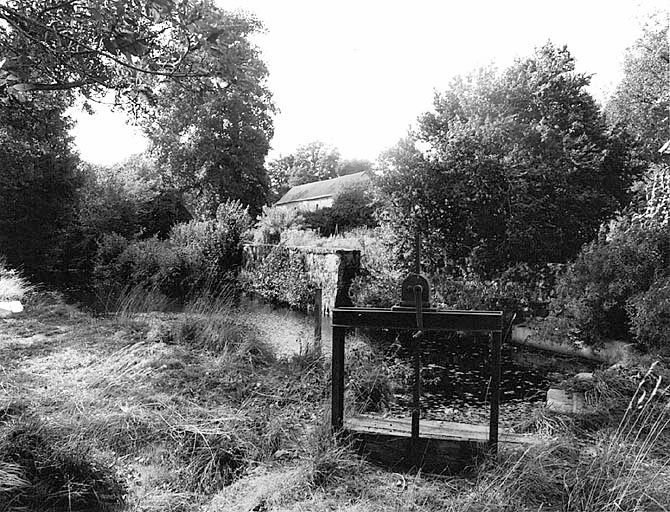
x,y
332,270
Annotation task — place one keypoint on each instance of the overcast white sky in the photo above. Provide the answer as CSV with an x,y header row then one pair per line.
x,y
356,74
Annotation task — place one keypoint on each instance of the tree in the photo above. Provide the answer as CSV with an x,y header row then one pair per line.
x,y
38,183
352,207
641,102
516,166
353,165
186,69
279,171
315,161
211,134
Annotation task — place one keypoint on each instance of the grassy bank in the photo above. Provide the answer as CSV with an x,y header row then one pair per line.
x,y
194,412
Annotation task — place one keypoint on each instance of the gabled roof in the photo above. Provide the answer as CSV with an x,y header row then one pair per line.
x,y
321,189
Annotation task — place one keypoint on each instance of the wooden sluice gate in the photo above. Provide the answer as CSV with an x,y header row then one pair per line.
x,y
434,446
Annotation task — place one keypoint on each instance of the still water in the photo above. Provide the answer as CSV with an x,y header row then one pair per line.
x,y
456,374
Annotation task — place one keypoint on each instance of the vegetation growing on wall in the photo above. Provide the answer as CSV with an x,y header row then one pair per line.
x,y
281,277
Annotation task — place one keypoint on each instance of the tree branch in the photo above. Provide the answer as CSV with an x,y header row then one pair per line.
x,y
11,13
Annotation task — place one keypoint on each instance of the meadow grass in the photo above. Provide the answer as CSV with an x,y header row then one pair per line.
x,y
192,411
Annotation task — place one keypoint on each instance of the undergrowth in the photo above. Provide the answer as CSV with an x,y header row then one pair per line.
x,y
193,411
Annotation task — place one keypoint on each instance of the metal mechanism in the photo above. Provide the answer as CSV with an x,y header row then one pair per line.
x,y
415,313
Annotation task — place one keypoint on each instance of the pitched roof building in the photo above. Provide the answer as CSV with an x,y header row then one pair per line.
x,y
320,194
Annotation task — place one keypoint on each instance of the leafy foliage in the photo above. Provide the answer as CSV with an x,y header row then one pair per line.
x,y
125,199
87,46
611,276
38,183
198,256
315,161
520,289
648,313
352,208
641,102
379,284
282,278
212,133
273,222
516,166
186,69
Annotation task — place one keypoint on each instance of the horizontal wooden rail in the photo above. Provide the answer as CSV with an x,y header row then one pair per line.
x,y
470,321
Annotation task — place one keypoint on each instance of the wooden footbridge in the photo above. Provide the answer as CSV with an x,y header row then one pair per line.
x,y
435,446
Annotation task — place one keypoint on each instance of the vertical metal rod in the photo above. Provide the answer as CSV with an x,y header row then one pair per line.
x,y
496,347
337,374
416,394
416,398
417,251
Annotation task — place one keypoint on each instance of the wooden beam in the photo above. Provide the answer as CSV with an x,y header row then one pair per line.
x,y
318,312
496,348
433,429
471,321
337,375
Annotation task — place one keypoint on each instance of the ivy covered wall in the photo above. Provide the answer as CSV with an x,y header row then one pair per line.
x,y
289,276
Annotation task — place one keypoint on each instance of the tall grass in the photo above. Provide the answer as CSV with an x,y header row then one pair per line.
x,y
628,470
13,286
622,468
43,470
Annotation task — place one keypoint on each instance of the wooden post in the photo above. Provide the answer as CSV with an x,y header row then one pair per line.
x,y
496,347
415,455
416,398
337,375
318,312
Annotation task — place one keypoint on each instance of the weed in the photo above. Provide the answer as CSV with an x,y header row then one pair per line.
x,y
42,471
331,460
369,377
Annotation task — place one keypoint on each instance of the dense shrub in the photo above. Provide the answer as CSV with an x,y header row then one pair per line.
x,y
282,278
522,289
649,314
160,213
273,222
610,278
197,256
353,207
379,285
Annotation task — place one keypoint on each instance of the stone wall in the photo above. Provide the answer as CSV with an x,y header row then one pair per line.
x,y
332,270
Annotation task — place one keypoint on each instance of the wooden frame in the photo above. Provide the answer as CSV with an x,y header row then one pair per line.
x,y
344,318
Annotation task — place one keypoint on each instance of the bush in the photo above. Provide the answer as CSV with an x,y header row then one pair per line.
x,y
649,314
382,270
595,290
197,256
282,279
351,208
521,288
273,222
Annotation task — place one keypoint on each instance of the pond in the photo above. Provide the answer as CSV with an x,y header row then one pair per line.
x,y
455,367
456,376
